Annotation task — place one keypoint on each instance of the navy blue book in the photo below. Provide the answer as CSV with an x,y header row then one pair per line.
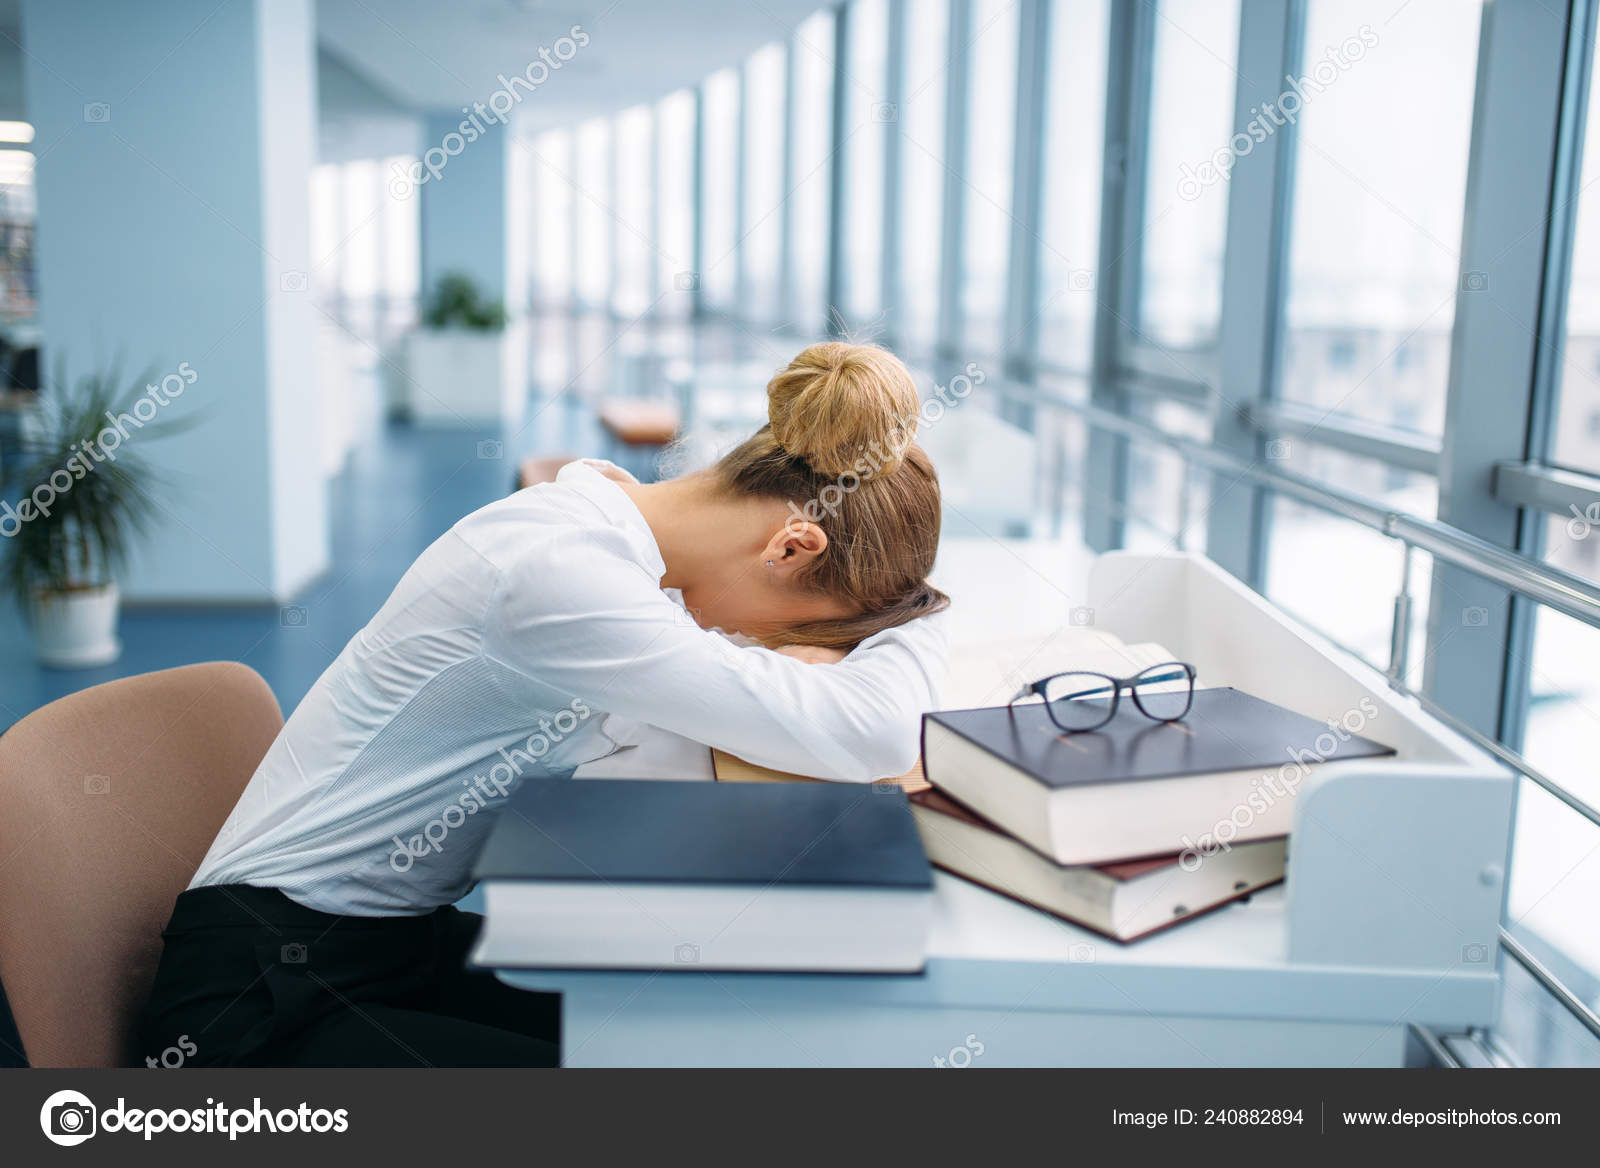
x,y
649,874
1228,771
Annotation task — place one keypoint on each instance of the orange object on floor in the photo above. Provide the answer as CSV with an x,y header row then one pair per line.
x,y
541,469
640,423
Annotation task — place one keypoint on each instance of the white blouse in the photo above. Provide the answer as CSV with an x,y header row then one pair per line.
x,y
501,654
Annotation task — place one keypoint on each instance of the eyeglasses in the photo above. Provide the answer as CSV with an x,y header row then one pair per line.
x,y
1086,701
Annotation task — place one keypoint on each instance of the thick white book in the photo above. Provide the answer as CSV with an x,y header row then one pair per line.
x,y
1228,771
618,874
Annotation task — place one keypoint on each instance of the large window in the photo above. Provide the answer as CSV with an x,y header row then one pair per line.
x,y
761,249
364,245
1074,131
363,199
868,116
1185,223
326,215
1338,576
552,217
1556,870
811,162
402,260
991,132
1576,438
1376,227
920,122
1344,282
719,179
635,248
18,214
674,239
592,282
1555,878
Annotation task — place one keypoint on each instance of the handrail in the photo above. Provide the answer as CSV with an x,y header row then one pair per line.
x,y
1553,587
1553,985
1430,1042
1414,452
1506,755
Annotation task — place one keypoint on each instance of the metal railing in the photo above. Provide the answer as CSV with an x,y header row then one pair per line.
x,y
1553,985
1550,586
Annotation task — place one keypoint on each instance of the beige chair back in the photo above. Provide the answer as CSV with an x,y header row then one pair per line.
x,y
109,799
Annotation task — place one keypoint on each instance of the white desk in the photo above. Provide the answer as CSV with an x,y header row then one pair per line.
x,y
1388,914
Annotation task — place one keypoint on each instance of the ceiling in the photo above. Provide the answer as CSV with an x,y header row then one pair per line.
x,y
441,55
427,55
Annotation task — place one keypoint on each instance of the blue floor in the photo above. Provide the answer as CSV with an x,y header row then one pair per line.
x,y
401,489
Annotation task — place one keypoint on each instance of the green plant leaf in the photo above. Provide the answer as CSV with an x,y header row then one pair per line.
x,y
457,303
89,502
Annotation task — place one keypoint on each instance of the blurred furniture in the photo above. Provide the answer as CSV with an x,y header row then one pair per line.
x,y
722,396
22,369
466,377
723,402
14,409
640,360
665,394
636,429
109,799
20,332
538,469
19,382
639,423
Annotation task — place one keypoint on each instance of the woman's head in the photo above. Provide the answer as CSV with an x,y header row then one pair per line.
x,y
860,500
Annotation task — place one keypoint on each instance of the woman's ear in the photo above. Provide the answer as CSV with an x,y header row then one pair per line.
x,y
793,547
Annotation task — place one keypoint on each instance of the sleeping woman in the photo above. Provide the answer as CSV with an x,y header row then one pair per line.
x,y
320,927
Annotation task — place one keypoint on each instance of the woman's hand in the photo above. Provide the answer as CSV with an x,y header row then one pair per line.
x,y
814,654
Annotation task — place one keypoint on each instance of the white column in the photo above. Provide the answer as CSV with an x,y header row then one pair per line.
x,y
174,145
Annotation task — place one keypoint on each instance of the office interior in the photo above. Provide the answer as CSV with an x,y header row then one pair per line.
x,y
1307,288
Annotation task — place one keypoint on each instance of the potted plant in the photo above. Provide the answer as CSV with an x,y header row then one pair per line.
x,y
466,364
456,303
73,502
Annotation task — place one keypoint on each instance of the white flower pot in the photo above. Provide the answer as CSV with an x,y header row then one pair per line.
x,y
460,377
77,629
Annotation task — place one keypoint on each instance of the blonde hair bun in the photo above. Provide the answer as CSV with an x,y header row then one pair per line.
x,y
841,407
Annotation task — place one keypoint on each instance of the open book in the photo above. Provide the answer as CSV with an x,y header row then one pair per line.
x,y
735,770
989,674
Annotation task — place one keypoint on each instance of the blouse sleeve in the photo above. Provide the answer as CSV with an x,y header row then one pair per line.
x,y
582,617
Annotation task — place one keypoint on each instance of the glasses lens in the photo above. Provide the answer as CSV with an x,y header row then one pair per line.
x,y
1080,701
1163,691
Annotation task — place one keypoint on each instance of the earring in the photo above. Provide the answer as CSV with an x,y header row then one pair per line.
x,y
769,563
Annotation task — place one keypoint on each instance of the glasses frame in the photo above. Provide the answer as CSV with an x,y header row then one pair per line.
x,y
1117,684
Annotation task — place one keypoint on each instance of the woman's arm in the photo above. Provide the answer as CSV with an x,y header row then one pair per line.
x,y
584,619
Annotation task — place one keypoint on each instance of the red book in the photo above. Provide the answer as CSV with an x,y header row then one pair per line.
x,y
1125,900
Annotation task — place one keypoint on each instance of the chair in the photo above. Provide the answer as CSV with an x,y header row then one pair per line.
x,y
640,422
538,469
109,799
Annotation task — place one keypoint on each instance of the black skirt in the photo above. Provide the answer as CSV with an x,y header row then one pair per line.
x,y
248,977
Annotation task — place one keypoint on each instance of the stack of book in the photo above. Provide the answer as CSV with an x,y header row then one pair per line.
x,y
1125,829
1129,828
621,874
